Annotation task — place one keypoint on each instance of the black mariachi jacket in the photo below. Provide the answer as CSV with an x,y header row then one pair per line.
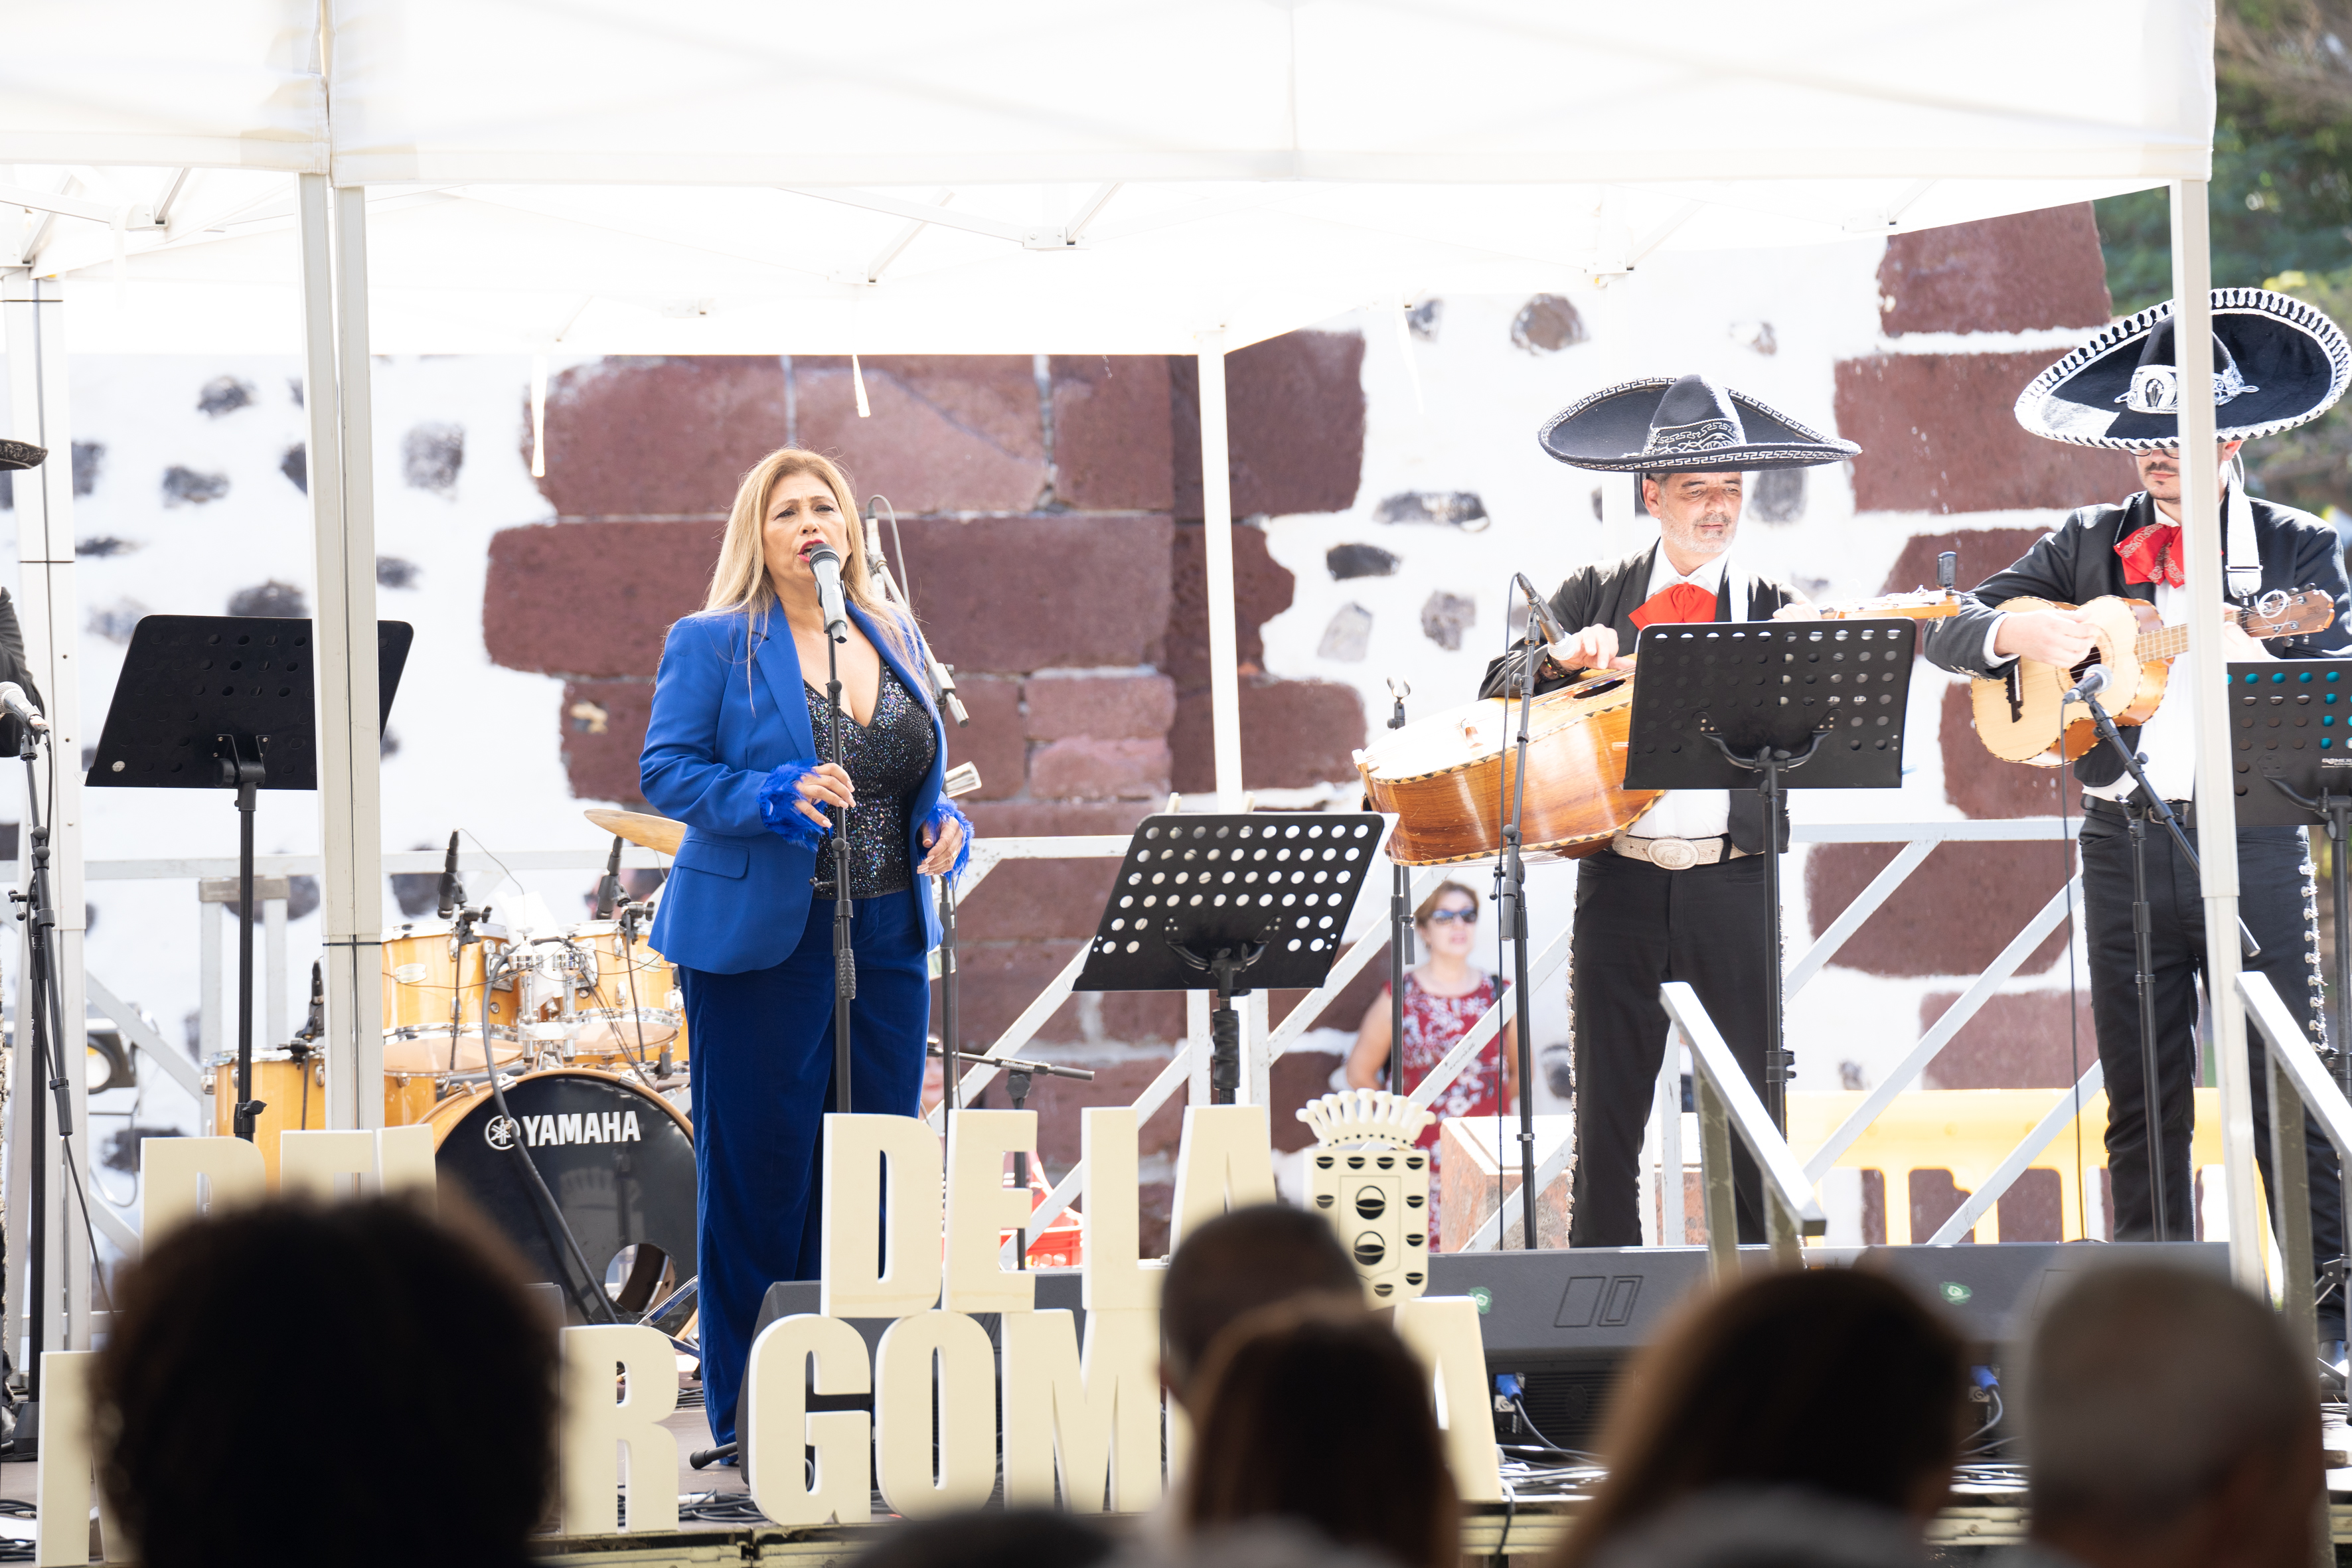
x,y
1608,595
2077,562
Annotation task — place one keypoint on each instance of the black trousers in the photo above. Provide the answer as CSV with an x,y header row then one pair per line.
x,y
1638,927
2272,890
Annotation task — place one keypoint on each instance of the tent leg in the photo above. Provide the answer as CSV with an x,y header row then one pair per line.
x,y
1217,513
50,617
2217,830
336,368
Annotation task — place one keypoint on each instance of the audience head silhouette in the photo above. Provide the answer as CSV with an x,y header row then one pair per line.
x,y
1236,1264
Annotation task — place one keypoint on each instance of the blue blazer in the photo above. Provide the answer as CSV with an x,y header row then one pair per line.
x,y
729,708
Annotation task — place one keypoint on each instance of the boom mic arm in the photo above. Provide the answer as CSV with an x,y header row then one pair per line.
x,y
453,892
608,887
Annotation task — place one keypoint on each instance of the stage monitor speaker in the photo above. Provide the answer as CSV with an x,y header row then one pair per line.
x,y
1564,1322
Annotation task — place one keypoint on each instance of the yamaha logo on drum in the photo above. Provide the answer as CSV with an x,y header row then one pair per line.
x,y
500,1132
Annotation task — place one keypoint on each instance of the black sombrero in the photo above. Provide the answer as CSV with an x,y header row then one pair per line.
x,y
21,455
1682,424
2277,363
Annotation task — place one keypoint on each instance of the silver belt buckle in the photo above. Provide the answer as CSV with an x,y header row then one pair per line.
x,y
1673,854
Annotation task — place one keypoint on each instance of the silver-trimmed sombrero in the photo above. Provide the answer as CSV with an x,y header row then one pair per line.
x,y
1682,424
2277,363
21,455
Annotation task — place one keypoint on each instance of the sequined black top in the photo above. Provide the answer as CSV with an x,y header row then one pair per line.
x,y
886,761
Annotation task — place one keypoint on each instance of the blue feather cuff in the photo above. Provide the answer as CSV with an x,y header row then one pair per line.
x,y
779,800
946,812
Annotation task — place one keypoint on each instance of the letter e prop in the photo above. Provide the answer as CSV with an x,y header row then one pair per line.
x,y
1442,1331
1112,1276
173,1168
1226,1164
67,1459
1100,1420
859,1149
595,1424
777,1430
982,1208
903,1445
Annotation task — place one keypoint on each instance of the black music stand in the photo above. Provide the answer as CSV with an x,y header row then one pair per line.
x,y
1253,901
1747,704
226,702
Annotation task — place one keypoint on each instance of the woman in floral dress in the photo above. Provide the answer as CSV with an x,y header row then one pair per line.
x,y
1443,997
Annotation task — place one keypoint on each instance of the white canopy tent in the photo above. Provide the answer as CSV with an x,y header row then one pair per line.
x,y
1056,175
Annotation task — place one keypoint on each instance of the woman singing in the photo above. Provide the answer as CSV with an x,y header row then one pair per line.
x,y
739,720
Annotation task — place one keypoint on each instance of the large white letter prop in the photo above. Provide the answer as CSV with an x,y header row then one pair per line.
x,y
1443,1330
1227,1163
172,1171
778,1429
1112,1276
967,1409
856,1196
68,1455
595,1424
316,1163
404,1164
982,1208
1101,1421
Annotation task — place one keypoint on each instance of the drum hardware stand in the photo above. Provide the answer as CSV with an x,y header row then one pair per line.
x,y
593,1283
2136,823
1399,921
1017,1076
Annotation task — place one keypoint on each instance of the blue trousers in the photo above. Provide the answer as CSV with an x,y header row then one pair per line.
x,y
762,1066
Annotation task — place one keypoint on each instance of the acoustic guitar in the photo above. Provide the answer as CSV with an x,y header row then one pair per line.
x,y
2017,712
1449,777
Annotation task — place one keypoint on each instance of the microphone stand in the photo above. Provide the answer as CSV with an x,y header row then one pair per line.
x,y
42,1006
1399,926
844,961
1511,910
2136,821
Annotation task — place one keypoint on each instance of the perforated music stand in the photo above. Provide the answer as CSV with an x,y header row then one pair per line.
x,y
1771,705
226,702
1248,901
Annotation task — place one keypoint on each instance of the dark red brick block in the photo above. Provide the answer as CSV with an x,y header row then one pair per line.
x,y
1058,819
1262,589
1100,770
1297,1077
2013,1042
1041,591
999,978
658,437
1294,413
1939,434
1102,707
2012,274
1111,432
949,433
1981,551
603,727
593,598
992,742
1952,916
1295,733
1029,900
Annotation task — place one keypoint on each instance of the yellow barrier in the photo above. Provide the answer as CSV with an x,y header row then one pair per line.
x,y
1969,1132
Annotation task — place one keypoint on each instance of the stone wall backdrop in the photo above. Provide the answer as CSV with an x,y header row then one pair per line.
x,y
1386,484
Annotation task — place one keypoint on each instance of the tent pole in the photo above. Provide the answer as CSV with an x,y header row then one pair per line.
x,y
2217,828
335,280
50,618
1217,514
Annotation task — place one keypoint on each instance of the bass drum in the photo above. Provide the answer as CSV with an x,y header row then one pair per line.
x,y
619,1161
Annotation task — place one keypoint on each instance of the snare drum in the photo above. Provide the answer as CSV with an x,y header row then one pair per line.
x,y
636,1008
433,998
292,1087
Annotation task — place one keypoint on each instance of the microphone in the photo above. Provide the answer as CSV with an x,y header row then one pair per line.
x,y
1539,611
608,887
453,892
2093,681
20,708
315,1025
825,563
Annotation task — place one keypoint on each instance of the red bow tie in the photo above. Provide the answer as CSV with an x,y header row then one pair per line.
x,y
1672,607
2153,555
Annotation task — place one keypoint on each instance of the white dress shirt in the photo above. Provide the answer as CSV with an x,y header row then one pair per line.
x,y
1688,813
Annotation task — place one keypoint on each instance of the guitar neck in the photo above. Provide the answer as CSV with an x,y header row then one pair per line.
x,y
2173,641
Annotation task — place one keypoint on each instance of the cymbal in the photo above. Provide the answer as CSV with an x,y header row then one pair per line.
x,y
658,834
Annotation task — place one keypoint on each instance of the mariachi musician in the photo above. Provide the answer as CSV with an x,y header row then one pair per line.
x,y
2277,363
1680,894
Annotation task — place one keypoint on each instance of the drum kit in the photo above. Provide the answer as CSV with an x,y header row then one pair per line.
x,y
585,1026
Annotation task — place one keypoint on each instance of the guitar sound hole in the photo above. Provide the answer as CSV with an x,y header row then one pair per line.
x,y
1601,687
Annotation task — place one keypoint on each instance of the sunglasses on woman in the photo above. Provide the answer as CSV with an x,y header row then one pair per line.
x,y
1468,917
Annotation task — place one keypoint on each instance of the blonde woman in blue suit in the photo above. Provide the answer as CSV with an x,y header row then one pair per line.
x,y
739,723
